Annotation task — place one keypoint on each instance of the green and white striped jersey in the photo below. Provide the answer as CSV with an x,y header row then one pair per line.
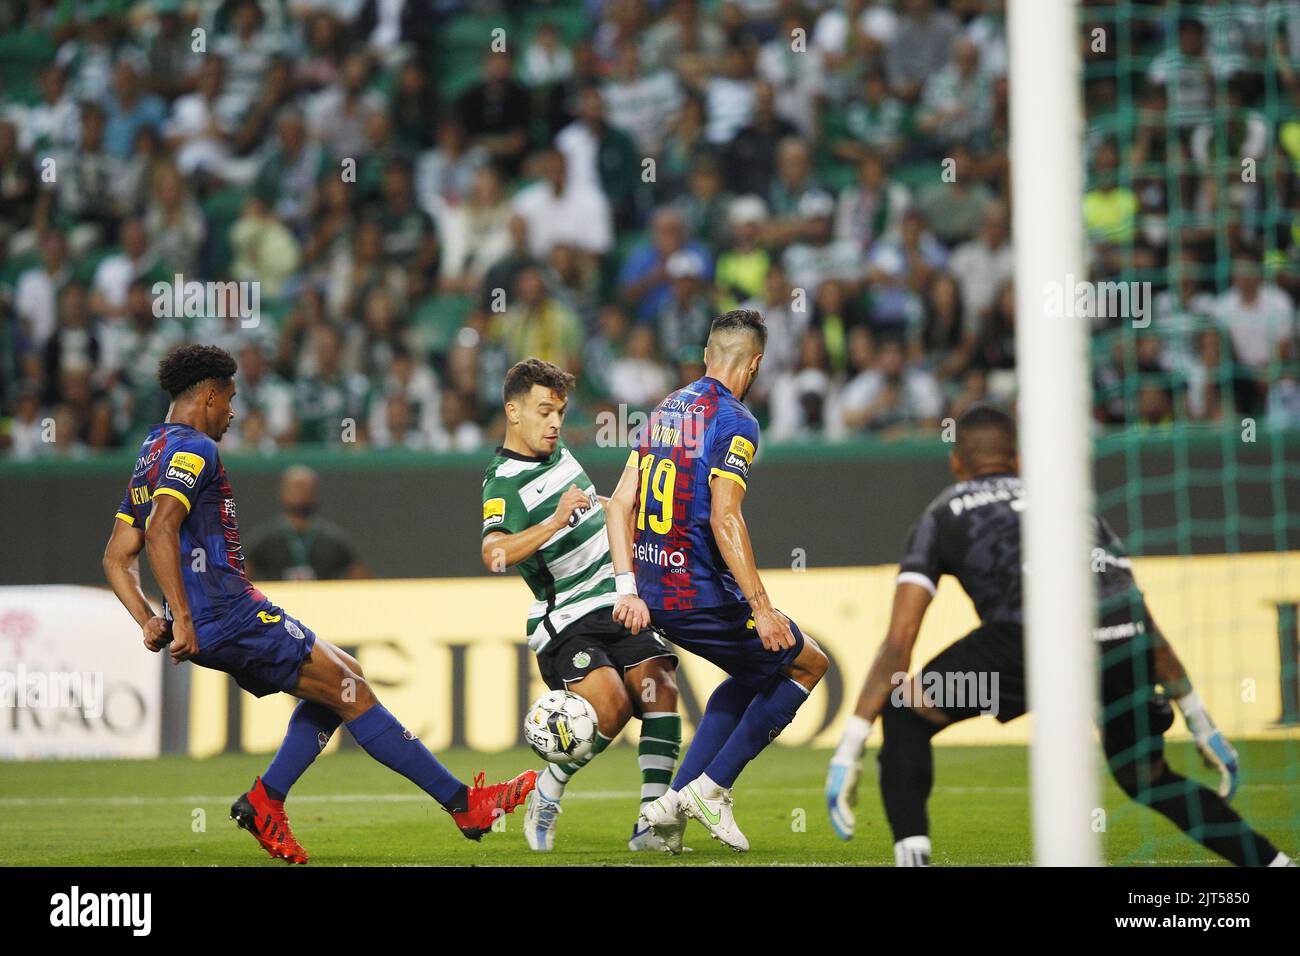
x,y
571,575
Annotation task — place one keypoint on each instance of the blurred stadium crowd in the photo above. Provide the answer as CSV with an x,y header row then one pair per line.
x,y
419,211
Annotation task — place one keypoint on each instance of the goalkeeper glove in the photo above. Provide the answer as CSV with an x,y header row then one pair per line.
x,y
1214,747
842,777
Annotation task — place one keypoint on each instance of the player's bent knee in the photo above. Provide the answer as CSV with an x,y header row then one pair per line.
x,y
810,666
652,686
818,664
353,664
1137,778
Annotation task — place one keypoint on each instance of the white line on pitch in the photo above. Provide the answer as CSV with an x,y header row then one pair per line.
x,y
194,800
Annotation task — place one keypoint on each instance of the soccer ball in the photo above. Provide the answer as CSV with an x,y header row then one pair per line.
x,y
560,727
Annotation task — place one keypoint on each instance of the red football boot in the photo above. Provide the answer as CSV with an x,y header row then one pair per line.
x,y
488,803
263,817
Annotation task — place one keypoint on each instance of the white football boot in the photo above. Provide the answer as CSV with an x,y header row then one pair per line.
x,y
539,822
666,819
912,851
704,800
645,839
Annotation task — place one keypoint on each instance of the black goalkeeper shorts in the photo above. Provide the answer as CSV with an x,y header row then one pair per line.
x,y
1132,714
597,640
983,672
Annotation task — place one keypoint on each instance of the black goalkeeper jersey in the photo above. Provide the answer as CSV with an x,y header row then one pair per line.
x,y
972,531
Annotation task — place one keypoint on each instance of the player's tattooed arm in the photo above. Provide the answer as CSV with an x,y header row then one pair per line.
x,y
732,537
895,654
122,571
500,550
163,545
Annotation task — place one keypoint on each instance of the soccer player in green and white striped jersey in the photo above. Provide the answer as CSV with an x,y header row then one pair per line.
x,y
542,514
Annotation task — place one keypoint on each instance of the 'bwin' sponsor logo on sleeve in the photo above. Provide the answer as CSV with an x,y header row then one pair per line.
x,y
132,910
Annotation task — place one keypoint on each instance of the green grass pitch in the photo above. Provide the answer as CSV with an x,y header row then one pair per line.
x,y
349,811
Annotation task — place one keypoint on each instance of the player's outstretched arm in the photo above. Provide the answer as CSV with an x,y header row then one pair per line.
x,y
122,570
732,537
629,609
162,540
893,658
1216,751
501,550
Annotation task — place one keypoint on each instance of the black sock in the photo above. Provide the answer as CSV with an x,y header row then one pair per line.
x,y
459,802
273,793
906,770
1204,816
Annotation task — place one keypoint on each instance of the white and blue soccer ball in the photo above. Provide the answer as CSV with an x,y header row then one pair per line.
x,y
560,726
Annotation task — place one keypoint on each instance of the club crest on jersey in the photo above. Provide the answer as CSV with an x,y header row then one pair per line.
x,y
185,468
581,659
740,455
494,512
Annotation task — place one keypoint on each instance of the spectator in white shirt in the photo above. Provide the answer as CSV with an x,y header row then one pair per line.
x,y
890,397
982,266
729,97
202,123
1258,316
558,211
639,379
476,234
36,296
444,175
116,272
546,60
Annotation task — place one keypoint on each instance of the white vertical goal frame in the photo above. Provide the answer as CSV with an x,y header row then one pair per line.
x,y
1055,437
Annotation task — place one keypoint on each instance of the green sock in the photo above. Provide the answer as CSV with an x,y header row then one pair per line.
x,y
661,744
551,782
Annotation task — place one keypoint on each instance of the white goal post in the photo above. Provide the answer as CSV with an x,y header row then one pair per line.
x,y
1052,373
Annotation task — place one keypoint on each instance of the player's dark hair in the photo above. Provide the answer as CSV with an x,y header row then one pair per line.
x,y
742,320
533,371
189,365
985,431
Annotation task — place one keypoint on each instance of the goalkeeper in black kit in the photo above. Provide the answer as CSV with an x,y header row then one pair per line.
x,y
972,531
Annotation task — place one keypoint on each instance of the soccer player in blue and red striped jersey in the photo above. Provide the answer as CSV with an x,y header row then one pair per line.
x,y
179,508
676,515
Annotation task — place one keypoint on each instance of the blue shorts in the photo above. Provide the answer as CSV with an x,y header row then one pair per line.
x,y
725,636
265,657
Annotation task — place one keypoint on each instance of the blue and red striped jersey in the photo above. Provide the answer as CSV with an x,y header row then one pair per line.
x,y
697,434
179,461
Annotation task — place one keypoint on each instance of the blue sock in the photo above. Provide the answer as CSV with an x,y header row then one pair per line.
x,y
379,733
310,729
766,716
721,715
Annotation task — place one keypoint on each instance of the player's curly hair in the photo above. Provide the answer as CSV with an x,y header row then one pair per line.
x,y
188,365
533,371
